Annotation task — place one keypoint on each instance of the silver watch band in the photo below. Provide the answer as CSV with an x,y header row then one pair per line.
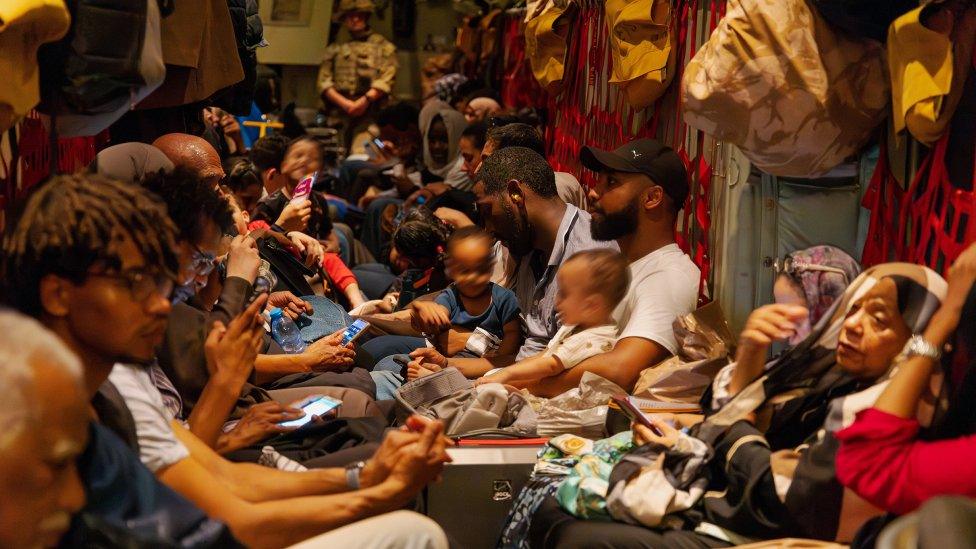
x,y
918,346
352,474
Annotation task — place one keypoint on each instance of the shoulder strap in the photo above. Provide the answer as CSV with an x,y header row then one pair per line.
x,y
114,414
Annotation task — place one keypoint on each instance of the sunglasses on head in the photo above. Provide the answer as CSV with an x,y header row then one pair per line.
x,y
790,266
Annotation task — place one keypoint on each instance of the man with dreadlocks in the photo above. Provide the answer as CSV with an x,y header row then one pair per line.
x,y
95,260
81,246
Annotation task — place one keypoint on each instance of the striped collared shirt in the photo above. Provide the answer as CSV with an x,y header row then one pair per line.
x,y
535,281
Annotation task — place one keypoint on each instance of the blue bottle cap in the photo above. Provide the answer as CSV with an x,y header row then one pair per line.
x,y
276,313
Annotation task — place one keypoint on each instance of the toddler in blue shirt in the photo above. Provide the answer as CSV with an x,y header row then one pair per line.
x,y
471,302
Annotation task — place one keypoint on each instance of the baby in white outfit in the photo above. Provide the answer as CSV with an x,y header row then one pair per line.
x,y
591,284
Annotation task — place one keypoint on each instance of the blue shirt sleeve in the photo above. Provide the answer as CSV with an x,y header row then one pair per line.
x,y
506,303
446,298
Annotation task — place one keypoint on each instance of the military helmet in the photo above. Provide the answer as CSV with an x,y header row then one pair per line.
x,y
352,6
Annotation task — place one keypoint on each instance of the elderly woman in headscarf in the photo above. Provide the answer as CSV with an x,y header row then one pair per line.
x,y
888,456
769,430
813,278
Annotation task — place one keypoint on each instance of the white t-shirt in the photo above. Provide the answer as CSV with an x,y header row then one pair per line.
x,y
663,286
158,446
572,347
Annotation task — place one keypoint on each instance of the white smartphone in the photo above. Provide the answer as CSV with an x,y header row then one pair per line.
x,y
354,330
318,405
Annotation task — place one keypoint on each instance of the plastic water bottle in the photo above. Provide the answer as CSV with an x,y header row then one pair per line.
x,y
284,331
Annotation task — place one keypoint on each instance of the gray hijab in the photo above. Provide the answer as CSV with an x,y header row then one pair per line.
x,y
451,171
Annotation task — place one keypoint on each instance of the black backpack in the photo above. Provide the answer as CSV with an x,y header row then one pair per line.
x,y
96,65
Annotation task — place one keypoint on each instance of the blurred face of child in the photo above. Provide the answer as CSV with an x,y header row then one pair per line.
x,y
575,302
469,264
302,158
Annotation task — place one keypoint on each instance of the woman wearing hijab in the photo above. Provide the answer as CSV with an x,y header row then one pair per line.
x,y
770,428
441,127
881,456
813,278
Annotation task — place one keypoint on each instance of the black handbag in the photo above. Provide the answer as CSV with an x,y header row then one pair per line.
x,y
290,271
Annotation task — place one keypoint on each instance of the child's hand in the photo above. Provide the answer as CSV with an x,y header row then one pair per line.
x,y
417,369
428,357
428,317
294,217
486,380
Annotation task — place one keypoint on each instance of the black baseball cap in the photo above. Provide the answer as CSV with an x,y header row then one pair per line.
x,y
647,156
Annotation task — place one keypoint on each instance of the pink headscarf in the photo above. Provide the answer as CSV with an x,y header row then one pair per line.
x,y
481,108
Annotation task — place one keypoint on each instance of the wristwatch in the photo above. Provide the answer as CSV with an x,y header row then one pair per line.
x,y
917,346
352,474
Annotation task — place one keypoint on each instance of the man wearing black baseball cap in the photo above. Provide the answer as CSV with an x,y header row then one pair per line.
x,y
641,188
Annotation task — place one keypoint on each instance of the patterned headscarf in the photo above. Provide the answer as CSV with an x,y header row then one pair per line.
x,y
809,371
447,87
823,272
800,401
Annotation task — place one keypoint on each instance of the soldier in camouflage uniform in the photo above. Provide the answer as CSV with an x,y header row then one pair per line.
x,y
356,77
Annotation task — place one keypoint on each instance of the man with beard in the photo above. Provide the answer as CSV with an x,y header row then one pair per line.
x,y
521,207
642,187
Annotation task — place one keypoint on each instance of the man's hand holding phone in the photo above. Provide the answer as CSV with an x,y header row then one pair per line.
x,y
259,422
231,350
644,435
327,354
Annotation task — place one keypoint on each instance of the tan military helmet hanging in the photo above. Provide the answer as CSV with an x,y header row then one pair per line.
x,y
641,37
352,6
546,42
24,26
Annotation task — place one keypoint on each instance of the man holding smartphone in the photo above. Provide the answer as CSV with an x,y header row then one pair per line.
x,y
104,291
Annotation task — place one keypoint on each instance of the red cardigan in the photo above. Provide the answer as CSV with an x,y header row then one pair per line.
x,y
881,460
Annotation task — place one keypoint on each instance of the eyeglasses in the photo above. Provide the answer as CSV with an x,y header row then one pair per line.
x,y
141,285
791,266
202,262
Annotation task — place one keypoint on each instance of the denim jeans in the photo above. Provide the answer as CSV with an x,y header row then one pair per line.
x,y
387,383
381,347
